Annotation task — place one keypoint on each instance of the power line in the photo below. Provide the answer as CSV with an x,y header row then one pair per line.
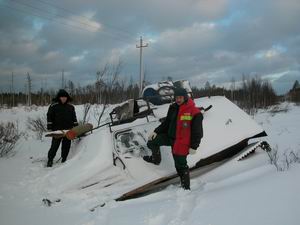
x,y
53,19
73,20
54,14
59,7
71,12
26,12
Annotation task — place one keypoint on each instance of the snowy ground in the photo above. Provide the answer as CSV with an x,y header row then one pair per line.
x,y
240,192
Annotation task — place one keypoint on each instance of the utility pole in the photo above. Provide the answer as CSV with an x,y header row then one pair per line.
x,y
62,80
141,46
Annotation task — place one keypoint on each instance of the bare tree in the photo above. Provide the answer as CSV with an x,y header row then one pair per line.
x,y
71,87
99,85
256,93
107,80
99,112
232,88
112,77
86,109
296,85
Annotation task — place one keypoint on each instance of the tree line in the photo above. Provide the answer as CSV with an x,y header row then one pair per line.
x,y
251,94
294,93
108,88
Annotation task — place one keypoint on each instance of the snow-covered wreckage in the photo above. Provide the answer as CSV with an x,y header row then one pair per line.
x,y
227,130
111,157
162,92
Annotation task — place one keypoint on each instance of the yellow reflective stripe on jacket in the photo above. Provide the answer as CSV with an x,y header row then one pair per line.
x,y
185,117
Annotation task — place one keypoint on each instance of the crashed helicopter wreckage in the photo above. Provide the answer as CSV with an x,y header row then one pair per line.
x,y
227,130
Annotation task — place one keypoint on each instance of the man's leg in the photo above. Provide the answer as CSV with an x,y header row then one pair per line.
x,y
53,149
65,148
182,170
154,146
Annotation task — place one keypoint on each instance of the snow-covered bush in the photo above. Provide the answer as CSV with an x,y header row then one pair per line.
x,y
290,158
31,108
274,157
37,125
9,135
283,162
284,108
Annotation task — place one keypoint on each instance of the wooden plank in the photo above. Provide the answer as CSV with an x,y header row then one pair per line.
x,y
165,181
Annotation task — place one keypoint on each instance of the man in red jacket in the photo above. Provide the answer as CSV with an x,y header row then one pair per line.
x,y
182,130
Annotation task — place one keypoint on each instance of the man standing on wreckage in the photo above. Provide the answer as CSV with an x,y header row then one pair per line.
x,y
182,130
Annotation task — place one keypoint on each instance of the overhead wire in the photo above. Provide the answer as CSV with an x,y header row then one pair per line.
x,y
76,19
40,13
41,16
71,12
54,14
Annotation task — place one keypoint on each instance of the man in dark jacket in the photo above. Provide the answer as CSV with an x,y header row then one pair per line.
x,y
182,130
61,116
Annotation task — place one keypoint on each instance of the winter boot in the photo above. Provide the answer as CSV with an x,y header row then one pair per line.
x,y
150,159
49,163
155,158
185,179
63,160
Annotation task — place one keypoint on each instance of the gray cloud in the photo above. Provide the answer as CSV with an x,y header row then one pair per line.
x,y
198,40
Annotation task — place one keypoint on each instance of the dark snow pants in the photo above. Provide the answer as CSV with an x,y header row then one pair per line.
x,y
65,148
179,160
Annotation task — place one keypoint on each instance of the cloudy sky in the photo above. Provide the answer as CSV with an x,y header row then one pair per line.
x,y
198,40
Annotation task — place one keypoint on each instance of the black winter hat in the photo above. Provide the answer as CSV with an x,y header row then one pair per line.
x,y
180,92
62,93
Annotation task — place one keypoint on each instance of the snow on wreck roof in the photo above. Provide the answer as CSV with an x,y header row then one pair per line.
x,y
224,125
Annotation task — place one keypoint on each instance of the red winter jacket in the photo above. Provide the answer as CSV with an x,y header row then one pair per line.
x,y
185,127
